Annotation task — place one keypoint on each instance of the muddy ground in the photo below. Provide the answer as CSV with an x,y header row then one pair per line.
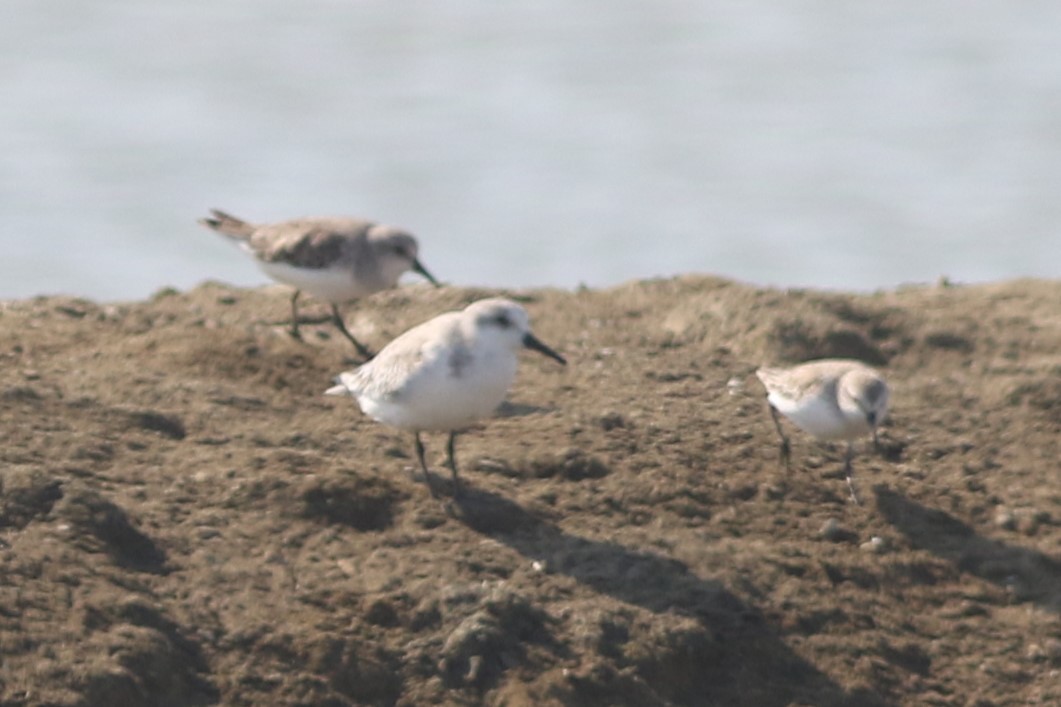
x,y
186,520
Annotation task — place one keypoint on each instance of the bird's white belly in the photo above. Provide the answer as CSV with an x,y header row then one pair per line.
x,y
442,400
820,417
329,284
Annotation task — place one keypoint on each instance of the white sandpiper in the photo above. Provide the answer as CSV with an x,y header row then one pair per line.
x,y
334,259
830,399
444,374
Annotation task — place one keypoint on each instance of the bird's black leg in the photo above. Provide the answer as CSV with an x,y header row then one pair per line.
x,y
786,449
451,461
294,315
423,464
848,473
338,319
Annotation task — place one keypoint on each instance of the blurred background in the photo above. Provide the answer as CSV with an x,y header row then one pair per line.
x,y
811,143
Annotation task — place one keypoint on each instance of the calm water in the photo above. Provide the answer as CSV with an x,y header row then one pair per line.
x,y
820,143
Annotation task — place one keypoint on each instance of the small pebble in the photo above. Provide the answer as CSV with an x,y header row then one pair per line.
x,y
911,472
772,492
1004,518
1027,521
831,530
876,544
1048,652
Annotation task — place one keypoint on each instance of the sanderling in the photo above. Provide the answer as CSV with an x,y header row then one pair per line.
x,y
445,373
333,259
831,399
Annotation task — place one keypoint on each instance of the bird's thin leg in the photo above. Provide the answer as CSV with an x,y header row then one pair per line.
x,y
423,464
876,441
786,449
294,315
451,461
338,319
848,473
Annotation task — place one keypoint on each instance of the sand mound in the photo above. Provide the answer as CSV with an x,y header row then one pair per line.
x,y
186,520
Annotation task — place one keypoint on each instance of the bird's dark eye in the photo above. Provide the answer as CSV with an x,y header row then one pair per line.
x,y
503,321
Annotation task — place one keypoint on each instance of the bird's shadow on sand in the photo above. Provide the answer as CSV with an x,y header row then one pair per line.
x,y
1029,574
748,662
516,409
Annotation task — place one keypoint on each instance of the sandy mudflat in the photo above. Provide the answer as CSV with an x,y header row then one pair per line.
x,y
186,520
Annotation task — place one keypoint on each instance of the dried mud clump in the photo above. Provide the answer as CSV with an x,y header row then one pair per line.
x,y
148,659
491,639
100,525
571,464
361,504
28,493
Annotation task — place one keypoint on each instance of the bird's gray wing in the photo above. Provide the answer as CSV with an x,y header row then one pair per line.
x,y
308,243
396,369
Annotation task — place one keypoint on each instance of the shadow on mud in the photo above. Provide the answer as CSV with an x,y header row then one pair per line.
x,y
1028,575
737,658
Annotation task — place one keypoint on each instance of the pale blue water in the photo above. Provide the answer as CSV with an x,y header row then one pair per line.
x,y
827,143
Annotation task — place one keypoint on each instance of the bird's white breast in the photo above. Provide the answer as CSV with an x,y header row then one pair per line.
x,y
820,416
444,396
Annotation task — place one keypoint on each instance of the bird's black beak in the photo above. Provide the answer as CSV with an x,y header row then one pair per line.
x,y
418,267
871,418
532,342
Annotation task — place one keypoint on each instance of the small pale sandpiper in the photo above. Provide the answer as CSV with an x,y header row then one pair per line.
x,y
830,399
444,374
334,259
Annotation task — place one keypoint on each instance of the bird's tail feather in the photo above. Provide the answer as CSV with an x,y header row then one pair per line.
x,y
228,225
343,384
